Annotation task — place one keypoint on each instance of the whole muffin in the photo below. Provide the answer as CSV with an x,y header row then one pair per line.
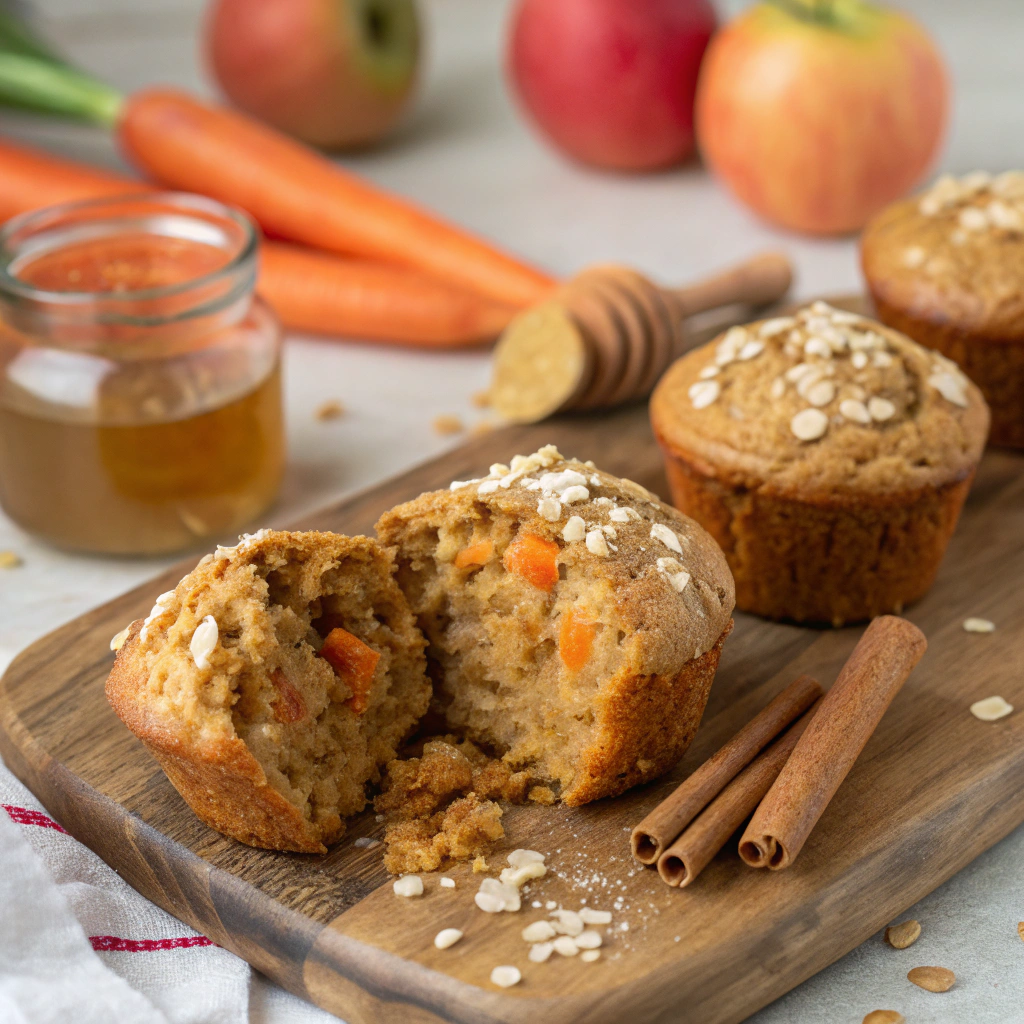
x,y
829,457
947,269
274,682
574,621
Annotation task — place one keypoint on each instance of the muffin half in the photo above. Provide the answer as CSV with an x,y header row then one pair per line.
x,y
829,457
947,269
574,621
274,682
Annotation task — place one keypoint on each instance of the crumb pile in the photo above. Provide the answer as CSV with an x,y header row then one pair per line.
x,y
274,682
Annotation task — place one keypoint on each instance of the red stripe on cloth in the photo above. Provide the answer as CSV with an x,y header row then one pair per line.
x,y
113,944
26,816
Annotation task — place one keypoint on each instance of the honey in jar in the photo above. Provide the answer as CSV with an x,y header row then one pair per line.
x,y
140,389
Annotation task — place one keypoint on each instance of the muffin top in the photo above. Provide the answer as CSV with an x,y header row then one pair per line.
x,y
822,402
954,254
670,579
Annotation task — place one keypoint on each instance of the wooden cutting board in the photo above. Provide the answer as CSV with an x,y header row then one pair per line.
x,y
933,789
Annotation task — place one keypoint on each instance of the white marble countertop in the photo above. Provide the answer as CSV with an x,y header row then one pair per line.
x,y
465,153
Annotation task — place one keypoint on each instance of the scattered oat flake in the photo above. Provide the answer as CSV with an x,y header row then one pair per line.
x,y
408,885
117,641
9,560
900,936
588,956
448,424
884,1017
506,976
541,952
991,709
932,979
565,945
447,937
973,625
366,843
538,931
447,883
329,410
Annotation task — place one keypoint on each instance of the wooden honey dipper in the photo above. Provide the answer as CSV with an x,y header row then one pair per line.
x,y
606,336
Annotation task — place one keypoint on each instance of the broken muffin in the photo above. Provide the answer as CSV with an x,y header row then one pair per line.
x,y
574,621
274,682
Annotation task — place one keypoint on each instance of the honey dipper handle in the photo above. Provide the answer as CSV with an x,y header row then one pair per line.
x,y
761,279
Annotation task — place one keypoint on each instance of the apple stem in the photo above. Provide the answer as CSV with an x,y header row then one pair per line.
x,y
821,12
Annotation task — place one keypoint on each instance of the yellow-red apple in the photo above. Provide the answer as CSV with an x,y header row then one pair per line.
x,y
817,114
611,82
333,73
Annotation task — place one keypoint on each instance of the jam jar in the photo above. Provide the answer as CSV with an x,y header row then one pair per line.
x,y
140,375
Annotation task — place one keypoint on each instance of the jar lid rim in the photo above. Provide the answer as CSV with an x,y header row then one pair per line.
x,y
240,262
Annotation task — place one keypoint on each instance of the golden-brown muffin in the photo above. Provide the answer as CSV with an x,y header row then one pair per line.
x,y
829,457
947,269
574,621
274,682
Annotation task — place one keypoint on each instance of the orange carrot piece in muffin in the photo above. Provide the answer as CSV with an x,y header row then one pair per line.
x,y
474,554
534,559
354,661
575,639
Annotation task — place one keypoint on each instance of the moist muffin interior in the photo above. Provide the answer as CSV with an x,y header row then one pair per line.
x,y
494,642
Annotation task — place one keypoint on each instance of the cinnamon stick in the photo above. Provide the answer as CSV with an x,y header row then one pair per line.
x,y
654,834
879,665
687,857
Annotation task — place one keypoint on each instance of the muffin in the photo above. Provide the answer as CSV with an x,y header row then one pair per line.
x,y
274,682
947,269
574,621
829,457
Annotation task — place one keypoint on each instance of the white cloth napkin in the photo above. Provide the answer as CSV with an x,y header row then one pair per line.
x,y
77,943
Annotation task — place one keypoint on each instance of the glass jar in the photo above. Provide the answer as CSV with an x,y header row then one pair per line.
x,y
140,387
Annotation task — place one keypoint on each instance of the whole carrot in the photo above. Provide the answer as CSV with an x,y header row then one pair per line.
x,y
30,180
310,291
298,195
326,294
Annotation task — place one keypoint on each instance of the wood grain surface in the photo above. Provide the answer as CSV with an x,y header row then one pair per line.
x,y
933,789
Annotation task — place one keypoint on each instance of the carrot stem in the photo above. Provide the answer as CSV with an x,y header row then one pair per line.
x,y
49,87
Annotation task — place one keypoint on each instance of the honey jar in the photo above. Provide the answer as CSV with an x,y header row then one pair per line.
x,y
140,382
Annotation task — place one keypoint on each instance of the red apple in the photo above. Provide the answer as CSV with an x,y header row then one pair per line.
x,y
817,114
333,73
611,82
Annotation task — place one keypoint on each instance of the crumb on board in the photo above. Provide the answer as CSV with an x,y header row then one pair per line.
x,y
480,865
441,805
447,424
481,428
481,399
9,560
329,410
